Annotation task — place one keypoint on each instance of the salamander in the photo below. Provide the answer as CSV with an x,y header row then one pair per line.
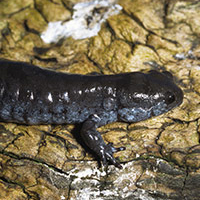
x,y
33,95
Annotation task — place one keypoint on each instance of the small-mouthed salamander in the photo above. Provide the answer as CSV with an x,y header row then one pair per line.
x,y
32,95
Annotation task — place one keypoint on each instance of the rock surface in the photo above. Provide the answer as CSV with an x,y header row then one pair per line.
x,y
162,156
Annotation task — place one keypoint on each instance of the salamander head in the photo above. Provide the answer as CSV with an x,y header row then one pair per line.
x,y
165,93
149,95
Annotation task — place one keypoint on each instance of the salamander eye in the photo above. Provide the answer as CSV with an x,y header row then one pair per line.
x,y
169,98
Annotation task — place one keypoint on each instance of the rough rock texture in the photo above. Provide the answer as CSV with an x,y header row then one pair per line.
x,y
162,156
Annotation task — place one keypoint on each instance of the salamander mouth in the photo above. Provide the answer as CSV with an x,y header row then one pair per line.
x,y
178,98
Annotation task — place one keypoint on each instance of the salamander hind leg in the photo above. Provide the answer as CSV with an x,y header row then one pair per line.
x,y
94,141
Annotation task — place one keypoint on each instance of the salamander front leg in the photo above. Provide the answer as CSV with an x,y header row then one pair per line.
x,y
94,141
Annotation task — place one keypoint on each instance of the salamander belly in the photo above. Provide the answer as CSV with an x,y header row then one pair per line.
x,y
42,113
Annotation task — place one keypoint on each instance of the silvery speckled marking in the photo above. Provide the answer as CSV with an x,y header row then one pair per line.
x,y
86,21
32,95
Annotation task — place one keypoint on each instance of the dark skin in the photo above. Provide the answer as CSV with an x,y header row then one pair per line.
x,y
32,95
